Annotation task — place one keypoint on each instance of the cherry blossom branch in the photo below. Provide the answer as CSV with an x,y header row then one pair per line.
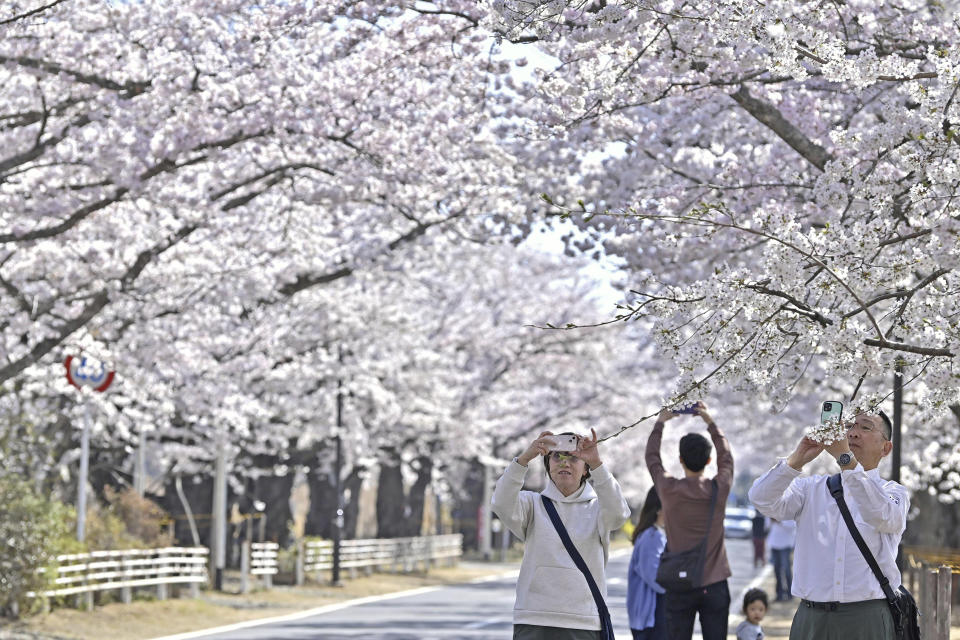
x,y
95,306
32,12
901,293
768,115
128,89
900,346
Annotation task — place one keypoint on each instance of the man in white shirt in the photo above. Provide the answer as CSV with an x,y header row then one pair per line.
x,y
781,540
840,596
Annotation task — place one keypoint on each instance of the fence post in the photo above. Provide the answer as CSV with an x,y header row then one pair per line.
x,y
944,582
301,547
928,601
126,593
245,567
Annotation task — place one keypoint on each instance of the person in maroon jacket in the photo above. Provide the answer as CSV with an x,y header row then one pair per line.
x,y
686,503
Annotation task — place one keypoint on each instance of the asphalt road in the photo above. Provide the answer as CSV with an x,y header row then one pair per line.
x,y
480,610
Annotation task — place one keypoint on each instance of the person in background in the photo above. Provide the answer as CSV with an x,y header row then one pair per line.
x,y
754,608
554,601
759,523
644,595
686,505
780,540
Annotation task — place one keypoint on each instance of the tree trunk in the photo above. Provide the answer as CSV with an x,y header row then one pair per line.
x,y
467,504
274,491
415,497
391,505
198,490
323,504
351,508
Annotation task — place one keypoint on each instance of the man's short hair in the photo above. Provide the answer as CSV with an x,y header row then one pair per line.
x,y
887,425
694,451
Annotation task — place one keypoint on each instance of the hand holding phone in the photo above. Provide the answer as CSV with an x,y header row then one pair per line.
x,y
563,442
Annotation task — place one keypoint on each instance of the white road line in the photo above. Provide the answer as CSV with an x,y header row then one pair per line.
x,y
499,576
483,623
300,614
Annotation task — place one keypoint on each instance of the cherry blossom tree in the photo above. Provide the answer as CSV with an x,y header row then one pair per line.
x,y
780,179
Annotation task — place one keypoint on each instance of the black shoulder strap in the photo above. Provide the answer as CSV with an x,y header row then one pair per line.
x,y
836,490
575,555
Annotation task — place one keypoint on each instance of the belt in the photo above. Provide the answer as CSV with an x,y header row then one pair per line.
x,y
837,606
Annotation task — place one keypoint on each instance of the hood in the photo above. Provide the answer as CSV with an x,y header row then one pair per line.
x,y
584,494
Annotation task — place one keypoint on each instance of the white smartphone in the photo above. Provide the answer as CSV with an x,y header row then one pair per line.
x,y
563,443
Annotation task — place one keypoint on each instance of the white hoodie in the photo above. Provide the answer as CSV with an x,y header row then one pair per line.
x,y
551,591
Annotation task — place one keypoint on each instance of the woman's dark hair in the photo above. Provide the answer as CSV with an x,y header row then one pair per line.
x,y
648,514
752,595
546,459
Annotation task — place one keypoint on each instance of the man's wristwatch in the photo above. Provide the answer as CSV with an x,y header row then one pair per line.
x,y
844,459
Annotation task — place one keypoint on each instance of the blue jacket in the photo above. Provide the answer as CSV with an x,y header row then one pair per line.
x,y
642,587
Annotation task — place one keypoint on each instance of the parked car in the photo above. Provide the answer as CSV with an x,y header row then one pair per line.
x,y
737,522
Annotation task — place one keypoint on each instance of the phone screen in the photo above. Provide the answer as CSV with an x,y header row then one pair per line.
x,y
829,410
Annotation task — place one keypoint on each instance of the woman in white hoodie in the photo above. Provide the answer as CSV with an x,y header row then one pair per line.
x,y
553,599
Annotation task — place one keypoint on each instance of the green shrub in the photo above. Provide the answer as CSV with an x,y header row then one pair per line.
x,y
33,530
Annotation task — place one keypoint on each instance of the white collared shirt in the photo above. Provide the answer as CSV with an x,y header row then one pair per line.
x,y
827,565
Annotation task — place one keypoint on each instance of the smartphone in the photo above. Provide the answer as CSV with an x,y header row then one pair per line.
x,y
563,443
690,408
831,410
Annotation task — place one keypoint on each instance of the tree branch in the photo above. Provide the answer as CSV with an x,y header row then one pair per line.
x,y
770,116
908,348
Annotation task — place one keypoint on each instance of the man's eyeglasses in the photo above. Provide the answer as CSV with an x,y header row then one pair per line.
x,y
560,456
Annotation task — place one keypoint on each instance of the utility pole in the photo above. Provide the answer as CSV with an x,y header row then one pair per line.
x,y
140,467
84,472
218,530
337,484
897,419
87,375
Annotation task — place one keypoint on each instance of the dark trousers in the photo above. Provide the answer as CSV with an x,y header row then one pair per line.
x,y
867,620
712,602
758,554
536,632
783,570
659,629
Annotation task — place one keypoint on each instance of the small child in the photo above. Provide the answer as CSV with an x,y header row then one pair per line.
x,y
754,607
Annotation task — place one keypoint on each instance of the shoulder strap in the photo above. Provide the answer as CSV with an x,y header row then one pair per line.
x,y
835,487
575,555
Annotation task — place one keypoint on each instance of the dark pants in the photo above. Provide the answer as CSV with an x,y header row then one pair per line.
x,y
536,632
783,570
712,602
659,629
867,620
758,554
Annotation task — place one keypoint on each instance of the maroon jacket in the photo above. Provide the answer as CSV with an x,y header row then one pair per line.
x,y
686,502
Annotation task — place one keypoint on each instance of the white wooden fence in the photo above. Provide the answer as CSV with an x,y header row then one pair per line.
x,y
930,575
82,574
394,554
258,559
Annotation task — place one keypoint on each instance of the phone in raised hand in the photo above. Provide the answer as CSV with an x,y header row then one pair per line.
x,y
830,410
690,409
563,442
